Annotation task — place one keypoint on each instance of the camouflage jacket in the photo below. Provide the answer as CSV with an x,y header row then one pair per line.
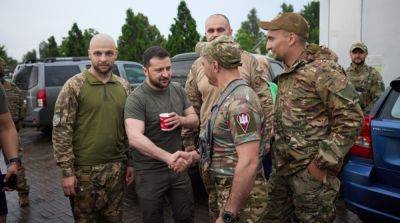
x,y
368,83
317,113
16,103
66,119
239,120
203,95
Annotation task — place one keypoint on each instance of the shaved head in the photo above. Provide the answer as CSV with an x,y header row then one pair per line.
x,y
102,40
217,25
219,16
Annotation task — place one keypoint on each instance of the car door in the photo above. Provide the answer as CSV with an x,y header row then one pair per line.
x,y
385,133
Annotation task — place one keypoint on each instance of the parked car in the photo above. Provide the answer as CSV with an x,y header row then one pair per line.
x,y
275,67
371,177
42,81
181,64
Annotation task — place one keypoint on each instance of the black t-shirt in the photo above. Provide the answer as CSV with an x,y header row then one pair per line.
x,y
147,104
3,101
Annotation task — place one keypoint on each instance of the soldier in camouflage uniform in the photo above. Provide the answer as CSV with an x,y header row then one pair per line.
x,y
17,109
366,80
235,170
317,118
89,137
203,95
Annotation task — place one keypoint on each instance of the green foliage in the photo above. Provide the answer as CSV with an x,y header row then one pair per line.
x,y
311,14
184,36
137,36
249,35
74,44
87,36
49,48
10,62
287,7
29,56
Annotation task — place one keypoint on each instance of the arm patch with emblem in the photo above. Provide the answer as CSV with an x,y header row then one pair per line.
x,y
245,123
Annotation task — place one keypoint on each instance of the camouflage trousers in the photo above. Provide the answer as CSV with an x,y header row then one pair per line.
x,y
302,197
99,193
254,207
209,184
22,184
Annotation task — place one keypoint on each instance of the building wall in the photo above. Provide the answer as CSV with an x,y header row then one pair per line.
x,y
374,22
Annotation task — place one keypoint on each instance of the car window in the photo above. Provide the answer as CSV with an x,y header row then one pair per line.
x,y
114,70
276,68
134,73
391,108
396,109
58,75
26,77
181,68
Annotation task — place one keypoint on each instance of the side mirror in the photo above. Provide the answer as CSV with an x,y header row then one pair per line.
x,y
395,84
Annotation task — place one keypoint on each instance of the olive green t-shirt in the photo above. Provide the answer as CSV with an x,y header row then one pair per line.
x,y
3,101
99,128
146,104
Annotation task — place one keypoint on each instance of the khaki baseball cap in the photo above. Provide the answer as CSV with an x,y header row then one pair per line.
x,y
288,21
224,50
360,46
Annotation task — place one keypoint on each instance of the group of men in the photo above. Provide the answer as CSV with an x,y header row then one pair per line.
x,y
106,137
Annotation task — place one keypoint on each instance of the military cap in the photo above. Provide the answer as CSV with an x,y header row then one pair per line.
x,y
360,46
290,22
224,50
200,47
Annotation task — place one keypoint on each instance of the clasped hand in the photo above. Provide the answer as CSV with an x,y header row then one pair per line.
x,y
180,161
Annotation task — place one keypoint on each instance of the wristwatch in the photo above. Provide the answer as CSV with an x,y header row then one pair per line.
x,y
15,160
228,217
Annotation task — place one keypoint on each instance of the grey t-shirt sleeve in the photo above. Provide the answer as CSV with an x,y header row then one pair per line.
x,y
3,101
134,107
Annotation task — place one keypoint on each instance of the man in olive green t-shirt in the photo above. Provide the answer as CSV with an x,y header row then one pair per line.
x,y
155,149
9,142
89,137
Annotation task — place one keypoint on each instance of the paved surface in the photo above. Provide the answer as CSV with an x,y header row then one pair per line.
x,y
48,204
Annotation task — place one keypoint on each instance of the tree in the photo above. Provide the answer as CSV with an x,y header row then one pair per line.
x,y
29,56
87,36
184,36
249,35
137,36
287,7
73,44
10,62
311,14
49,48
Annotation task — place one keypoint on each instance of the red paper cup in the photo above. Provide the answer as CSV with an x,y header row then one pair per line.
x,y
163,117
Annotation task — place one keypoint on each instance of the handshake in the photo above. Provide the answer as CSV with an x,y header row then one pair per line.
x,y
181,160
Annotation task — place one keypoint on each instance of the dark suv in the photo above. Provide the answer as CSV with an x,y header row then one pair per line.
x,y
182,63
42,81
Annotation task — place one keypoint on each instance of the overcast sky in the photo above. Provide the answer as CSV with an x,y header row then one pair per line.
x,y
25,23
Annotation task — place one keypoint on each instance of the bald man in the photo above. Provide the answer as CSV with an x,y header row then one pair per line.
x,y
89,139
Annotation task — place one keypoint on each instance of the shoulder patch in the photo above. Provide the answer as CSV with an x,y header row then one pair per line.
x,y
245,123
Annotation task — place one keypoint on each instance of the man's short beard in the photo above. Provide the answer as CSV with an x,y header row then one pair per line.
x,y
361,62
158,85
103,72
